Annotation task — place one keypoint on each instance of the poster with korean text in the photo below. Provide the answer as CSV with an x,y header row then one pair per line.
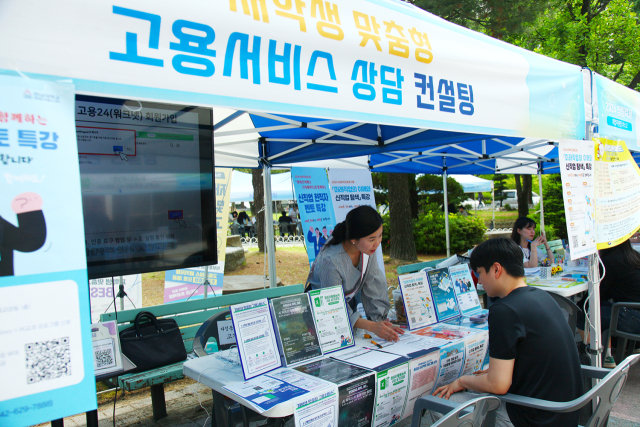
x,y
392,386
577,174
464,288
45,331
316,210
444,297
423,372
451,363
102,292
417,300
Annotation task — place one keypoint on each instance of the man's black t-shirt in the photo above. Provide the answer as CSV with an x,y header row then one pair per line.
x,y
527,325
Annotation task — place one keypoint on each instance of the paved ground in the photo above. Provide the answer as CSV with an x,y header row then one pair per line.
x,y
184,408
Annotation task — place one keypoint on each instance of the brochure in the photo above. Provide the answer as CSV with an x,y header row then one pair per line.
x,y
451,360
255,337
475,348
332,319
392,386
319,409
444,296
417,299
107,356
297,334
423,373
356,402
264,392
464,289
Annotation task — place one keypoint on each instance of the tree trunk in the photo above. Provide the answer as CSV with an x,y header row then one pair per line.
x,y
413,194
401,228
258,203
523,202
527,186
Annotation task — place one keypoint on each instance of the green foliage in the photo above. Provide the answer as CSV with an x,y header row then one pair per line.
x,y
508,207
432,186
430,237
499,185
554,206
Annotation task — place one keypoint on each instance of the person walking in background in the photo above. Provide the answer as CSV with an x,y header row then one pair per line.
x,y
480,200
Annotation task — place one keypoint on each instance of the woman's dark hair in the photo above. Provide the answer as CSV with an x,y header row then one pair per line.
x,y
522,222
361,222
234,214
630,255
243,215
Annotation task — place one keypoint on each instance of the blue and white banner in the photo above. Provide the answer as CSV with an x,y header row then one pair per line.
x,y
316,210
45,333
376,61
616,108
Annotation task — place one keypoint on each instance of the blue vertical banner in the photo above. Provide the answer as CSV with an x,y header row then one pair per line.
x,y
316,210
46,362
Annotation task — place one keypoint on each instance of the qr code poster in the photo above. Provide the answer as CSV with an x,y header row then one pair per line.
x,y
107,356
40,338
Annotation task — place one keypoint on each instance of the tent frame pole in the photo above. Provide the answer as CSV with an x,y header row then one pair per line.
x,y
541,198
270,244
446,205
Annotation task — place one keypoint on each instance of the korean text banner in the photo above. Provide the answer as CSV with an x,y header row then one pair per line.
x,y
377,61
316,211
186,283
617,108
45,335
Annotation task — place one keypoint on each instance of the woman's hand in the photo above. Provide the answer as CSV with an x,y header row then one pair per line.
x,y
447,390
538,241
386,330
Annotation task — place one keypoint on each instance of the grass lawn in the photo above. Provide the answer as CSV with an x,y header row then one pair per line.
x,y
501,216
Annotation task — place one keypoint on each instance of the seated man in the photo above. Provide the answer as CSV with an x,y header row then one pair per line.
x,y
531,347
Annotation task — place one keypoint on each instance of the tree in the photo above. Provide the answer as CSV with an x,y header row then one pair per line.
x,y
258,203
553,204
432,186
400,224
382,191
499,186
524,194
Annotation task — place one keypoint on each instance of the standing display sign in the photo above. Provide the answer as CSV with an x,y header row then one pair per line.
x,y
617,193
577,174
332,318
418,301
351,188
464,289
45,333
444,297
316,211
451,363
255,337
423,372
186,283
102,292
392,386
616,107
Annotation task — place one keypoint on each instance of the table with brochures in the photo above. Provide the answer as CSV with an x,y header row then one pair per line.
x,y
328,374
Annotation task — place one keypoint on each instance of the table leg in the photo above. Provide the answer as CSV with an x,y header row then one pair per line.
x,y
57,423
219,412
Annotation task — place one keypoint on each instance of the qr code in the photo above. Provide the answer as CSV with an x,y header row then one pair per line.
x,y
413,320
104,358
47,360
574,241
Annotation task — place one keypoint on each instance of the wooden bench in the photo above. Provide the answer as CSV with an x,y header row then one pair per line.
x,y
189,315
413,268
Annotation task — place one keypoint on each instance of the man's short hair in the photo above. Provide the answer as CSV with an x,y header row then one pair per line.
x,y
503,251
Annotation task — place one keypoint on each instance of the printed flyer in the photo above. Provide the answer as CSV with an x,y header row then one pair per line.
x,y
423,372
255,337
332,318
444,297
316,211
298,337
418,302
318,410
356,402
475,347
451,360
392,386
466,293
617,188
577,174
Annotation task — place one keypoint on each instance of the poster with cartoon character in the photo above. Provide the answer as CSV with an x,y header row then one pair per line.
x,y
444,297
45,333
451,362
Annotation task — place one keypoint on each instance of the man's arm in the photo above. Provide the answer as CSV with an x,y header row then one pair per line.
x,y
497,380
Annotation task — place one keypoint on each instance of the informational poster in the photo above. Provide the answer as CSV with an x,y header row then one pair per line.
x,y
423,372
617,188
417,299
264,392
45,333
332,318
577,174
107,356
320,409
297,333
392,386
475,349
451,363
186,283
351,188
316,210
616,107
255,337
464,288
356,402
444,297
102,291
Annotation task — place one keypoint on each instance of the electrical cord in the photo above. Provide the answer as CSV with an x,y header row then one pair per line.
x,y
115,308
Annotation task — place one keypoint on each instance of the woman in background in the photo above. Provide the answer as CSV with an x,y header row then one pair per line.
x,y
523,233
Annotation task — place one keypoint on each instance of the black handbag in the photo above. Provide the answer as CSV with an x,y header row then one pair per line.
x,y
152,344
